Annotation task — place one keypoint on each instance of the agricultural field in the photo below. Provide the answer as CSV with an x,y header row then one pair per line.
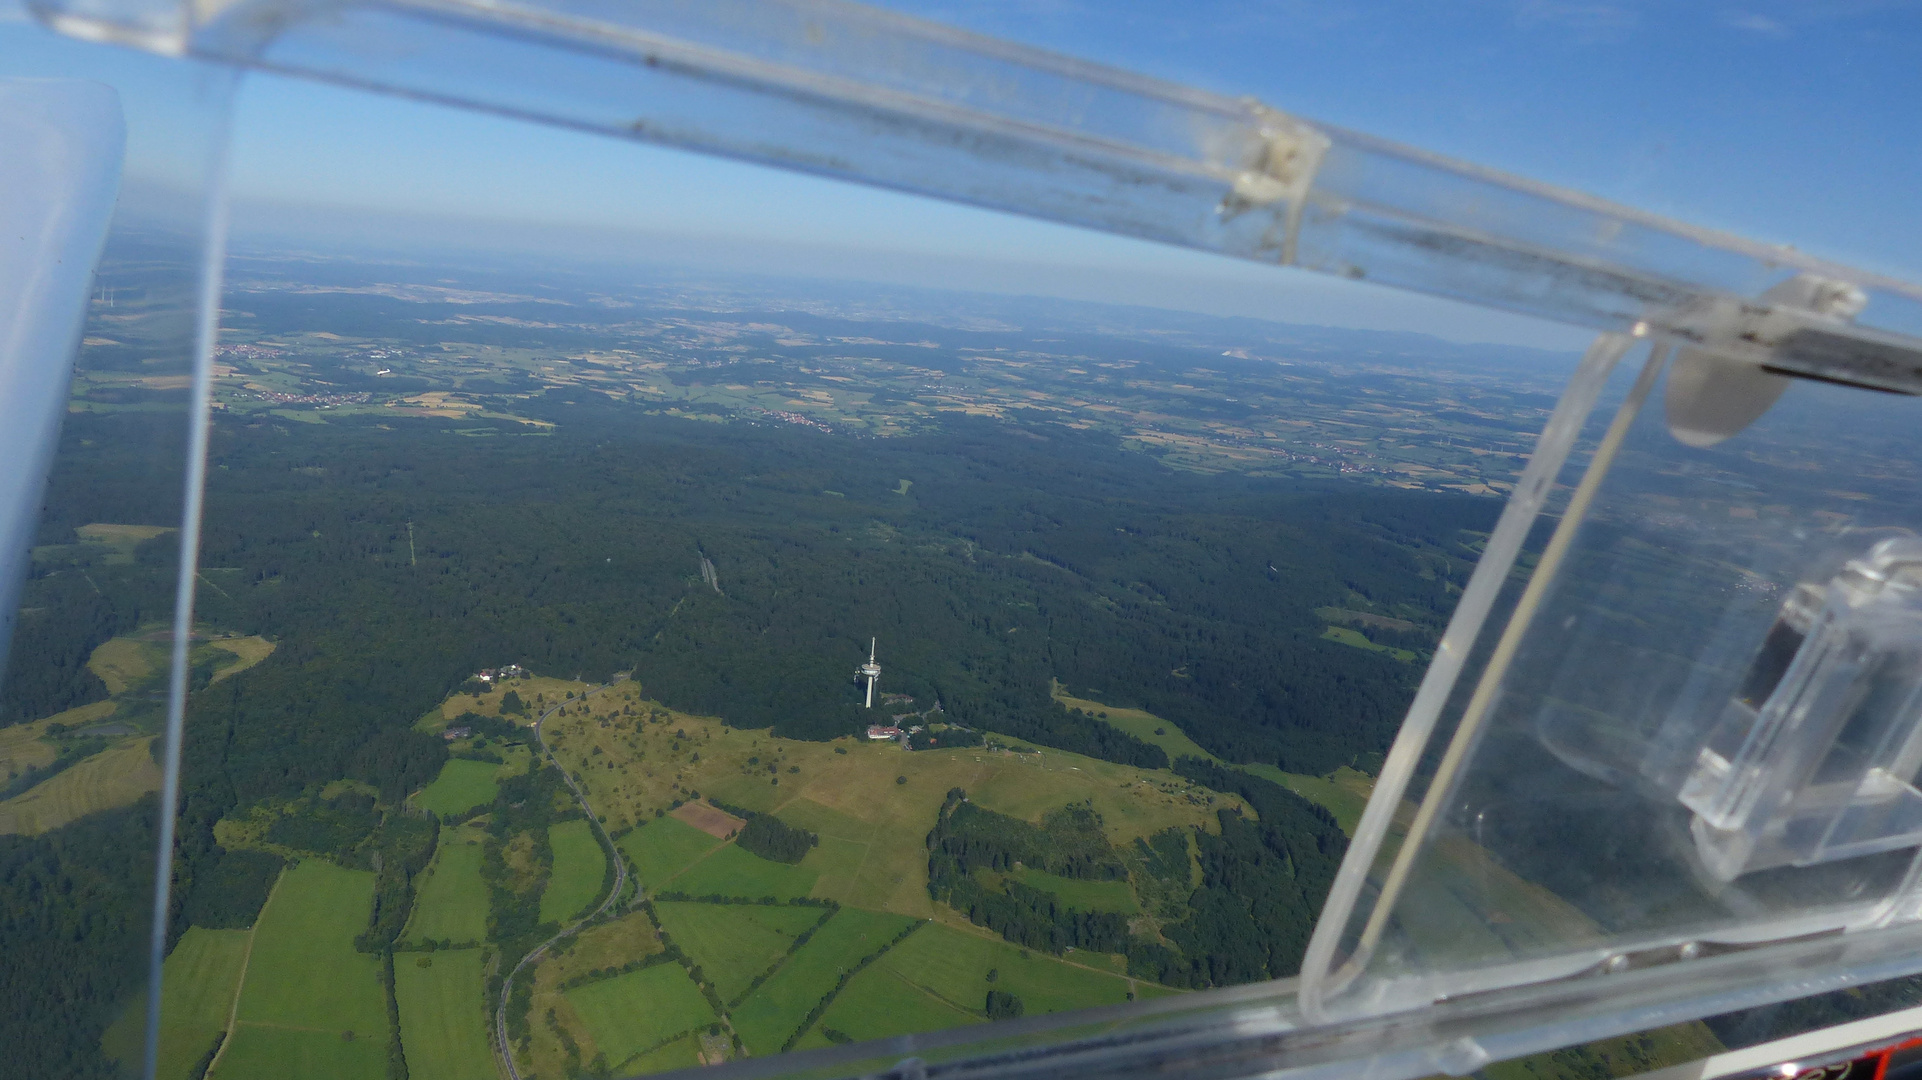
x,y
311,1005
246,652
579,868
198,983
114,777
633,1013
461,786
735,942
732,871
772,1013
943,970
271,1053
22,747
665,847
451,903
443,1017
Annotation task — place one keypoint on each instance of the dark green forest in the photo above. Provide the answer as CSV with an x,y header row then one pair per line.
x,y
1024,552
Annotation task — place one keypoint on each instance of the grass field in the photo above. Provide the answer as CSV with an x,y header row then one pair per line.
x,y
855,779
948,969
1145,726
630,1013
198,984
452,903
772,1012
123,661
1356,639
20,745
276,1053
665,847
461,786
732,871
443,1021
579,867
1344,793
1084,895
305,972
735,942
114,777
679,1054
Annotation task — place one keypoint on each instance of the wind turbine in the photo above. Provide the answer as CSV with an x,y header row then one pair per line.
x,y
869,671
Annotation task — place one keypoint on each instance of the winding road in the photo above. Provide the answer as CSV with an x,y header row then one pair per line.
x,y
502,1051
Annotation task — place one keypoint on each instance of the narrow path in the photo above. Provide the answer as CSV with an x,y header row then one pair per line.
x,y
246,958
504,1053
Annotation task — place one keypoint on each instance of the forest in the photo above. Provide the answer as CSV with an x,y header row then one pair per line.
x,y
389,561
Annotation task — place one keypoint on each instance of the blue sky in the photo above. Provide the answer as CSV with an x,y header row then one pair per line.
x,y
1790,122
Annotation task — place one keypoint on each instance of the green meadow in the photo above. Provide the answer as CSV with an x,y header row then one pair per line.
x,y
635,1012
461,786
198,982
665,847
735,942
777,1007
311,1005
579,868
451,904
443,1018
938,978
732,871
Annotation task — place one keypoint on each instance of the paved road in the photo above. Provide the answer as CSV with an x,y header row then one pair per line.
x,y
504,1054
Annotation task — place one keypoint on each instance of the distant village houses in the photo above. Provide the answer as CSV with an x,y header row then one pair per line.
x,y
493,675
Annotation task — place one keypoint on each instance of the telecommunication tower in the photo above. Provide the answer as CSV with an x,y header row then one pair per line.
x,y
869,671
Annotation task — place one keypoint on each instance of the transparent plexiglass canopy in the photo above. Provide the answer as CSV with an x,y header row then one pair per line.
x,y
1663,765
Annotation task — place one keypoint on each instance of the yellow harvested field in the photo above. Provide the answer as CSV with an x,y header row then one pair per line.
x,y
247,651
20,745
115,777
103,533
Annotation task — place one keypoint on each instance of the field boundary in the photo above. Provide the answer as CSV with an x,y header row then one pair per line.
x,y
821,1007
794,946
